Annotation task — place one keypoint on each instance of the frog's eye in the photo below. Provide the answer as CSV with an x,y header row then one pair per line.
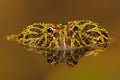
x,y
75,28
50,30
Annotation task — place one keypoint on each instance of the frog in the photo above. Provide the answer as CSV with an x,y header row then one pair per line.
x,y
64,42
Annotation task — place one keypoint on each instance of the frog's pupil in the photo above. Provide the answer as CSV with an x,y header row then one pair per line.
x,y
50,30
75,28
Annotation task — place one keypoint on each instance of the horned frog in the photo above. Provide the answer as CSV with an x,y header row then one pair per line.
x,y
65,42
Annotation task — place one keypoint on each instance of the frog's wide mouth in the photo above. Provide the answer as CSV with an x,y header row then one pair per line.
x,y
73,49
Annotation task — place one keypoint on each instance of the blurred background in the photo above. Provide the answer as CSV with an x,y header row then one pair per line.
x,y
18,64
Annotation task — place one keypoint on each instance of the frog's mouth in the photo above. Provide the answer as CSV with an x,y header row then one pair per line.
x,y
79,50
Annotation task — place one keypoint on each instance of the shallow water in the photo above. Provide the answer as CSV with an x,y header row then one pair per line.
x,y
18,64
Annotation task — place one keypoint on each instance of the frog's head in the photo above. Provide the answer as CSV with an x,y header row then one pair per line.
x,y
71,35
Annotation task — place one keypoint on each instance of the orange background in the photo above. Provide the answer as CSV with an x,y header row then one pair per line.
x,y
18,64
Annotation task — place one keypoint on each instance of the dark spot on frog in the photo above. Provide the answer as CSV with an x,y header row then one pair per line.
x,y
47,45
88,26
105,40
99,40
69,33
49,39
35,30
52,45
85,40
20,36
41,41
76,44
38,26
104,33
81,22
93,34
67,42
32,36
56,34
77,36
105,45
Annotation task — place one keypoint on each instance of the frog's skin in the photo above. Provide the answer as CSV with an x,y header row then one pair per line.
x,y
64,42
